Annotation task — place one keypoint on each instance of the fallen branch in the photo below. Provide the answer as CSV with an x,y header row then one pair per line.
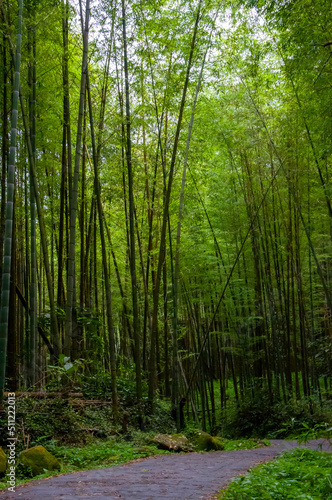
x,y
43,395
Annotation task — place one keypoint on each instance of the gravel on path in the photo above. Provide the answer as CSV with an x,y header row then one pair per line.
x,y
162,477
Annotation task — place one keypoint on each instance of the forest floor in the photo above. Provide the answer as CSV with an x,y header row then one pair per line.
x,y
169,477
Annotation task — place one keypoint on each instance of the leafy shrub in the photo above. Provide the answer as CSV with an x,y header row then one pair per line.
x,y
65,374
297,474
112,452
23,471
39,421
99,386
96,386
257,417
161,420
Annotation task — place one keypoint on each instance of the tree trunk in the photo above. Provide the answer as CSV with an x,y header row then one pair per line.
x,y
6,269
162,250
105,261
73,187
132,259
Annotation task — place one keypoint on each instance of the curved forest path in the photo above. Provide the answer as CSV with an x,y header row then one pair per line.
x,y
161,477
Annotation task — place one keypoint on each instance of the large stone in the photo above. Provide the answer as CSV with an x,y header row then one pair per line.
x,y
172,442
205,442
3,461
38,459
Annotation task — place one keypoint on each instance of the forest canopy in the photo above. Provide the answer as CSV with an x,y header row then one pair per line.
x,y
166,202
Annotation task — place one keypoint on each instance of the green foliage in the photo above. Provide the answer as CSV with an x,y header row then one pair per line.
x,y
106,454
65,373
161,420
23,472
65,421
98,385
257,417
191,431
43,420
273,327
245,444
3,462
298,474
323,429
44,319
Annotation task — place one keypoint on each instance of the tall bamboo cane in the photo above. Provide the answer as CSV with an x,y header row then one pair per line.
x,y
74,188
4,312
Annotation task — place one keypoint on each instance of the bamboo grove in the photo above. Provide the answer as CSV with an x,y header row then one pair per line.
x,y
165,197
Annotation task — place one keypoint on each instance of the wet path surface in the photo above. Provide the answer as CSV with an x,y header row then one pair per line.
x,y
169,477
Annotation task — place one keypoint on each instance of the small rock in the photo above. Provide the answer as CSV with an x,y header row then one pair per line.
x,y
38,459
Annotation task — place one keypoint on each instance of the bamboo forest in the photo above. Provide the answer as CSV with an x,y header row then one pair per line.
x,y
166,215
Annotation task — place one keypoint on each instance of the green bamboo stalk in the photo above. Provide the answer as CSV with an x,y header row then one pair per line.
x,y
43,237
175,275
132,259
4,148
102,224
295,198
4,312
162,250
33,283
70,304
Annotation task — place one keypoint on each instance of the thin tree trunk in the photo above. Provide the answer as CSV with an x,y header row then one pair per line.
x,y
66,157
13,337
132,259
162,250
33,284
6,269
4,150
104,259
70,305
176,396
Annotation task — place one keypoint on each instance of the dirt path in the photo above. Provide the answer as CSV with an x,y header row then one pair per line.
x,y
168,477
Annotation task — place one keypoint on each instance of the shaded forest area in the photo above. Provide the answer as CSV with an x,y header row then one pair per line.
x,y
166,220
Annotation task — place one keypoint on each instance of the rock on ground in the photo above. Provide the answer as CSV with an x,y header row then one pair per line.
x,y
3,461
38,459
172,442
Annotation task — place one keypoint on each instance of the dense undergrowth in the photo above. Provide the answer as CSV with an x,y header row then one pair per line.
x,y
258,417
299,474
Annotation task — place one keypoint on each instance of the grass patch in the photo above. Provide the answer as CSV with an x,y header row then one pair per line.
x,y
298,474
103,454
100,454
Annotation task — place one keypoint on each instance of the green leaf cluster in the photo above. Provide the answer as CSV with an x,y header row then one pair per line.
x,y
299,474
